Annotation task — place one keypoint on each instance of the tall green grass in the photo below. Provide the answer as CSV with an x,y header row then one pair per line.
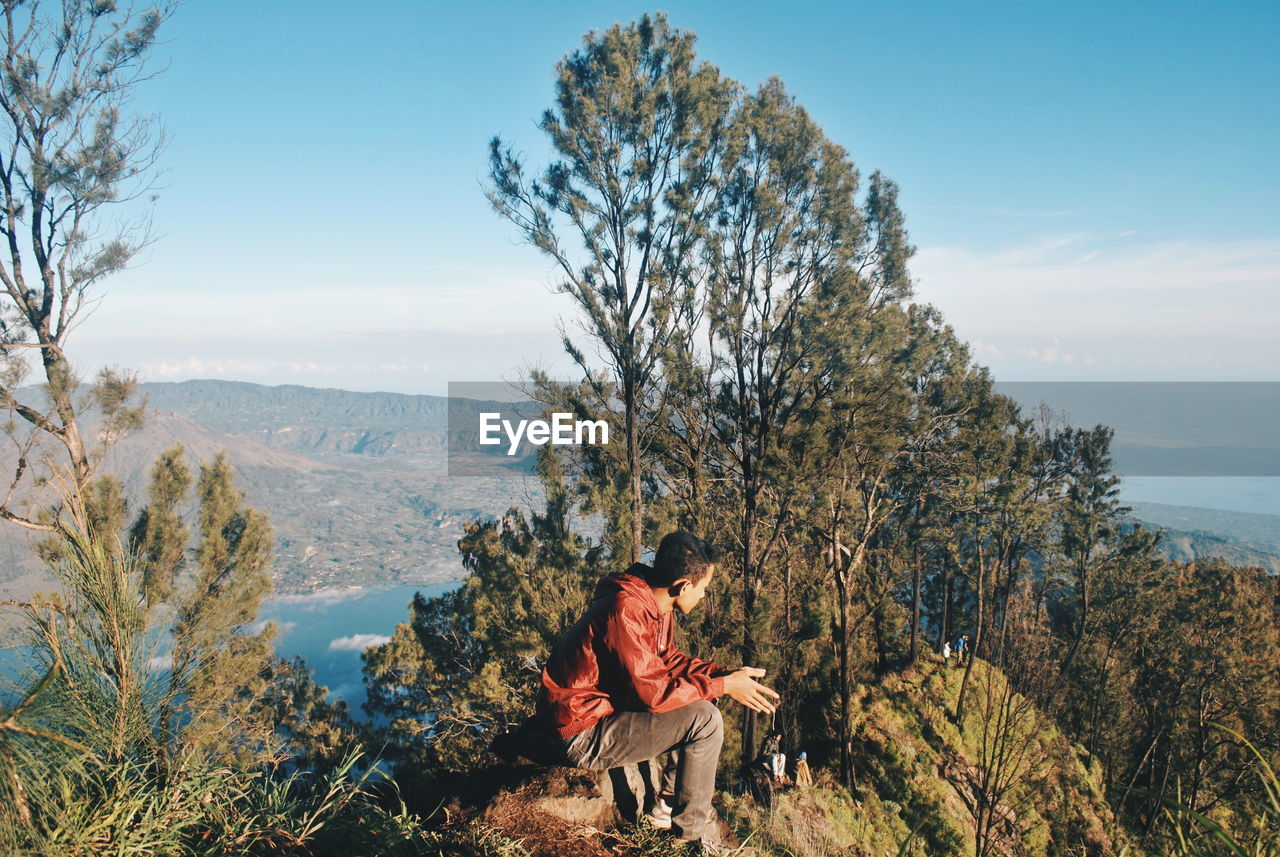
x,y
1197,835
89,766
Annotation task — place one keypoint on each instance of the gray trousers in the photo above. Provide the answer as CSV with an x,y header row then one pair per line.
x,y
692,734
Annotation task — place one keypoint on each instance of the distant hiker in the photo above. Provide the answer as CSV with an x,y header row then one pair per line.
x,y
616,690
804,777
775,760
962,647
946,654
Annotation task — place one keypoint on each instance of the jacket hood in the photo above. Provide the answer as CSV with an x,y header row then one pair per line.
x,y
630,583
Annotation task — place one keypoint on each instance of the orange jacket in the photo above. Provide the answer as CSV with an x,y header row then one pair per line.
x,y
620,657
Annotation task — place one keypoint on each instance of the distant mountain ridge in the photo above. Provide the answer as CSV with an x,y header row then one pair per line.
x,y
355,484
133,456
357,489
336,426
312,420
323,422
1192,532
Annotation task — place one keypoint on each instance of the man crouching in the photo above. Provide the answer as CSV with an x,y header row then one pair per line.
x,y
616,690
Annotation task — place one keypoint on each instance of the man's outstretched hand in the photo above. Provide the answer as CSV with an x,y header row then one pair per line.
x,y
741,685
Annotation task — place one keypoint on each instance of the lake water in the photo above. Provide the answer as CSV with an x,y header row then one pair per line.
x,y
330,629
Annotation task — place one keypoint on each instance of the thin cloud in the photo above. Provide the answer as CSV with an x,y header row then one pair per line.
x,y
996,211
358,642
1160,310
322,597
1052,353
281,628
1041,251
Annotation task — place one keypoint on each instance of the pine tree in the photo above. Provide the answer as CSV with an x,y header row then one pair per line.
x,y
876,432
786,227
466,664
1091,536
220,662
983,456
72,151
636,129
159,535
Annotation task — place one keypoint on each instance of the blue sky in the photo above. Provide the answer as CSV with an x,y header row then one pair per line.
x,y
1093,187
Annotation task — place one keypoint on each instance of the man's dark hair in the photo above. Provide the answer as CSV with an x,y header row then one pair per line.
x,y
681,554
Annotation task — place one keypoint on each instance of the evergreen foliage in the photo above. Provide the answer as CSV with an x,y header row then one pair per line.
x,y
159,535
103,750
466,665
221,660
91,761
636,128
873,489
72,151
750,334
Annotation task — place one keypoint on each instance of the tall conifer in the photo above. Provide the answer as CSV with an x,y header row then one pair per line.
x,y
635,129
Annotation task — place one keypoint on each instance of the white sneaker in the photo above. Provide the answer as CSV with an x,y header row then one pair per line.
x,y
660,815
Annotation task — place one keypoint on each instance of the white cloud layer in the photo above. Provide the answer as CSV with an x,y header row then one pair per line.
x,y
1103,307
321,597
358,642
1071,305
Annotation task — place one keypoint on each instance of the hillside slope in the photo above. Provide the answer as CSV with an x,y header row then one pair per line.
x,y
919,784
336,523
920,779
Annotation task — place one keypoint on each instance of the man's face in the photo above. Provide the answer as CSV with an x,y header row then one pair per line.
x,y
692,593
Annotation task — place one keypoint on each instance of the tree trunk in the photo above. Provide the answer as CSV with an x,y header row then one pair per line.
x,y
971,650
915,606
750,586
882,645
944,624
633,465
58,374
842,647
1082,582
750,574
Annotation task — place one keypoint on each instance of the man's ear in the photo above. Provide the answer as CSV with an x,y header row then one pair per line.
x,y
679,585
